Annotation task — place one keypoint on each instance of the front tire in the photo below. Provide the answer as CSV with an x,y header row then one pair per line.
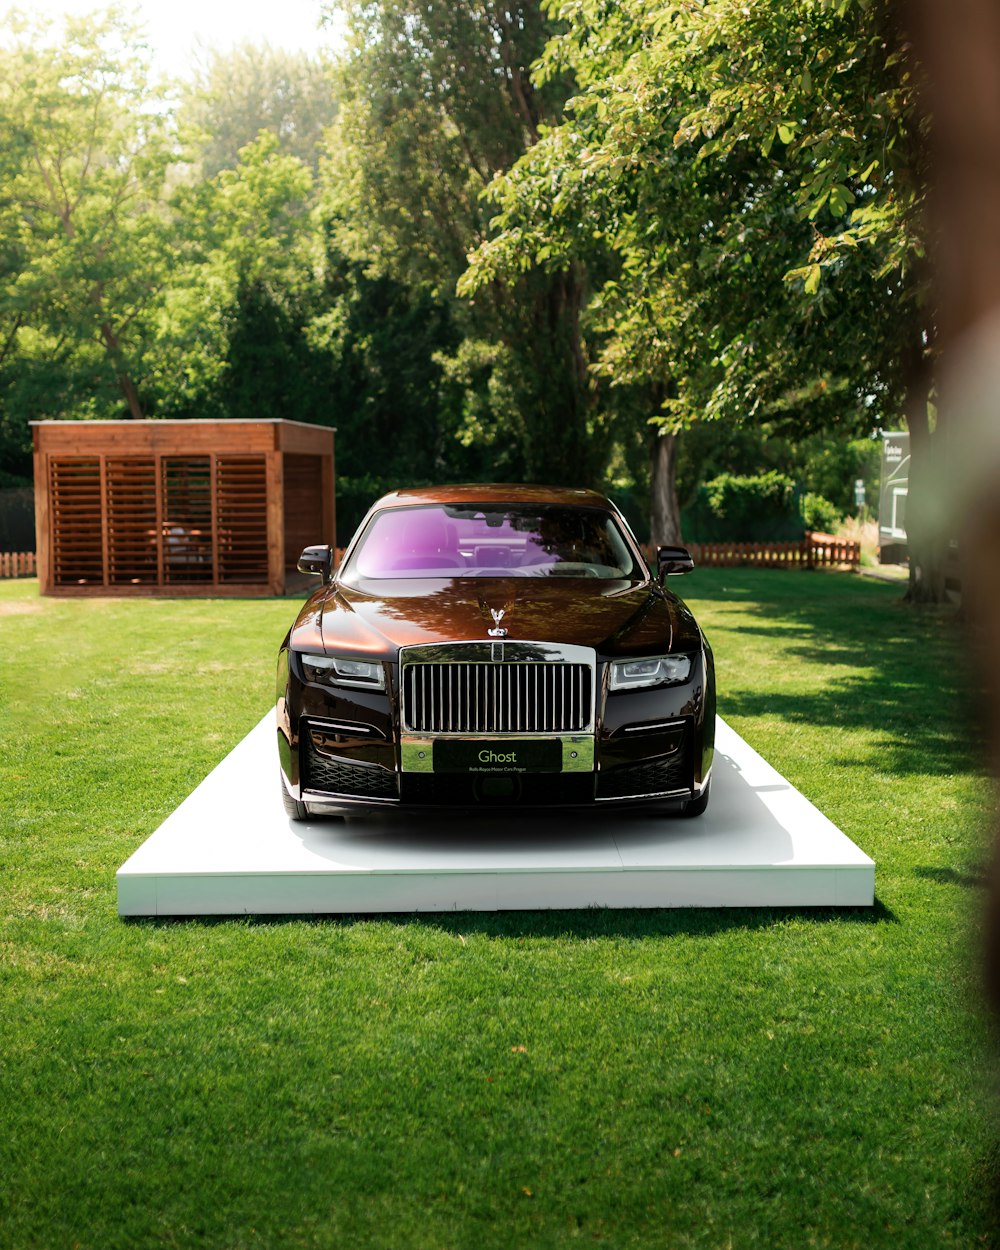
x,y
294,810
697,806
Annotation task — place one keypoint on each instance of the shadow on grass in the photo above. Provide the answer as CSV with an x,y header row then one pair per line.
x,y
911,685
584,923
971,878
908,742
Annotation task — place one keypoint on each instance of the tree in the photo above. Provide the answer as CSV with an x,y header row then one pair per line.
x,y
959,48
85,234
383,343
699,154
231,331
436,99
237,94
827,91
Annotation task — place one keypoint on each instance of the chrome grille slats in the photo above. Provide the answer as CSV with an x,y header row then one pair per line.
x,y
488,698
498,699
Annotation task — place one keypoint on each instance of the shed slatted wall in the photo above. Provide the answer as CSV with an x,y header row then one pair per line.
x,y
77,543
130,488
180,519
241,508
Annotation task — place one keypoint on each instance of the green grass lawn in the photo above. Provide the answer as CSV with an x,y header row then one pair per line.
x,y
772,1078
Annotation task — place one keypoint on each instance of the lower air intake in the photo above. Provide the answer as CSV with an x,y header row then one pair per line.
x,y
657,776
336,777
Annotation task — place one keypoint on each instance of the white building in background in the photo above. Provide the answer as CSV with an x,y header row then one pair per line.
x,y
892,545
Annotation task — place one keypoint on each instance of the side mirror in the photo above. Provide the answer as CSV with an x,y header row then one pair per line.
x,y
673,560
317,560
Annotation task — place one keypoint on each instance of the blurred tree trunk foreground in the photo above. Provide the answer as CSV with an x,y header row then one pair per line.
x,y
958,46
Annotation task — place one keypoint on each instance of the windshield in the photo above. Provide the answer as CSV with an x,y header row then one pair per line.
x,y
494,540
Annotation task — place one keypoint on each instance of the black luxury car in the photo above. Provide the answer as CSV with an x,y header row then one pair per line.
x,y
485,646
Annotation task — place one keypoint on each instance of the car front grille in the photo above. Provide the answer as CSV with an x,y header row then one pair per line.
x,y
336,777
496,698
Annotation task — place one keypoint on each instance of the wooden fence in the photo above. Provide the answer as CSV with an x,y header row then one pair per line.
x,y
813,551
17,564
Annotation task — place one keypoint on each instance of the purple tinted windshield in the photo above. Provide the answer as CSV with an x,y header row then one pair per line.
x,y
470,540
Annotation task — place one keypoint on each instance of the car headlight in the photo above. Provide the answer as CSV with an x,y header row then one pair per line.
x,y
339,671
660,670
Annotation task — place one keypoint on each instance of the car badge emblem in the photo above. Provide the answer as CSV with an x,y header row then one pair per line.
x,y
497,631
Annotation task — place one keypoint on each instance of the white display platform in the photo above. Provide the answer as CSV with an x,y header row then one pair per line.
x,y
229,849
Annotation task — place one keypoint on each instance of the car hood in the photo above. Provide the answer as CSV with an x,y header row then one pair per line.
x,y
616,618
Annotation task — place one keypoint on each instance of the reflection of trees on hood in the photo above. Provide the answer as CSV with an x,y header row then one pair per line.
x,y
587,612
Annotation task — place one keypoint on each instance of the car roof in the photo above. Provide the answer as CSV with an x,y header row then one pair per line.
x,y
492,493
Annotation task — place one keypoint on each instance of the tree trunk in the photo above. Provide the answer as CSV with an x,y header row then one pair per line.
x,y
553,381
958,45
926,538
664,510
125,383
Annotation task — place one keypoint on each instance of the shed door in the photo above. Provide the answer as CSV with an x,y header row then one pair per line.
x,y
186,493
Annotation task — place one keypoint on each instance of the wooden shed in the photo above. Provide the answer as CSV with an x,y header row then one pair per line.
x,y
179,507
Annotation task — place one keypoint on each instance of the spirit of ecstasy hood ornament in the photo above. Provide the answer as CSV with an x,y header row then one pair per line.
x,y
497,631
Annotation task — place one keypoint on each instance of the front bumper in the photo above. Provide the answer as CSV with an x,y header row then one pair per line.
x,y
351,751
328,777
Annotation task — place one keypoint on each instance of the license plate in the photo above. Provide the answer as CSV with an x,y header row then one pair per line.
x,y
492,758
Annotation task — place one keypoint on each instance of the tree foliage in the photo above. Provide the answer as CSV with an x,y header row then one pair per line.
x,y
435,101
237,94
86,248
641,245
750,172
